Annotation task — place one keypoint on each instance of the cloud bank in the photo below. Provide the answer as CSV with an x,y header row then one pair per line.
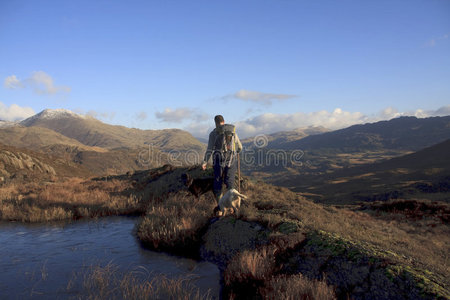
x,y
257,97
39,81
268,123
15,112
180,115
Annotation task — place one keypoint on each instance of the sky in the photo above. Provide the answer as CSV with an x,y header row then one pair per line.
x,y
265,65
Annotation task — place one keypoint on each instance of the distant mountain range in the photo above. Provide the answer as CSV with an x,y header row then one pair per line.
x,y
92,132
404,133
324,153
96,148
423,172
100,147
280,140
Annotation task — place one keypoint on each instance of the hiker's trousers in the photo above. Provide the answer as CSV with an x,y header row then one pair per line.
x,y
223,174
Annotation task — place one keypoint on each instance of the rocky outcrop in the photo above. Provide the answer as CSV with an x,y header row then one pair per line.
x,y
10,163
228,236
354,272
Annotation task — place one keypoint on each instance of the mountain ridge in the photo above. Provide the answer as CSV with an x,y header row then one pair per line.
x,y
92,132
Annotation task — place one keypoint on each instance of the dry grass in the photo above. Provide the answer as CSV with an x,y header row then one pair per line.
x,y
174,224
109,282
258,264
256,273
408,243
175,221
297,287
71,199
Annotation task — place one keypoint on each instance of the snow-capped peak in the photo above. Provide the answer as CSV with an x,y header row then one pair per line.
x,y
52,114
57,114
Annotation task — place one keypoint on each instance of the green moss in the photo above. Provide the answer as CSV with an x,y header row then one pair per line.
x,y
427,282
288,227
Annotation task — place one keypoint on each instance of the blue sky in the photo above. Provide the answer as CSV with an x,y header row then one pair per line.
x,y
265,65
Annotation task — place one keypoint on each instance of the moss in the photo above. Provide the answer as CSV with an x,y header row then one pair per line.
x,y
337,246
424,280
288,227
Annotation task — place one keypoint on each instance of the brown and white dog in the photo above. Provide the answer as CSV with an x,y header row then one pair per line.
x,y
230,200
197,186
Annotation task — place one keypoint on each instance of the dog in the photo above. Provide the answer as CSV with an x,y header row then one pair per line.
x,y
198,186
230,200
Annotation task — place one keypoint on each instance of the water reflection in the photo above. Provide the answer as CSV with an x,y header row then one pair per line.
x,y
38,261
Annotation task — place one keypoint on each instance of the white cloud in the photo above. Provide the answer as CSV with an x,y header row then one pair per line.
x,y
11,82
200,130
39,81
270,123
15,112
257,97
181,114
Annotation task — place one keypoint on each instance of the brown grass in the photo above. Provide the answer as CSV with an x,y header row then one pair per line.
x,y
297,287
254,273
258,264
70,199
407,243
109,282
174,223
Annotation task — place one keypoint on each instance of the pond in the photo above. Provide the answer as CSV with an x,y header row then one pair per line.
x,y
39,261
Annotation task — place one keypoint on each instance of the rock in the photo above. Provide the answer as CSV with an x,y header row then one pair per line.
x,y
228,236
21,161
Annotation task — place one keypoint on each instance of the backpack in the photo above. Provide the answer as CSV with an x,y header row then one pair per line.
x,y
225,142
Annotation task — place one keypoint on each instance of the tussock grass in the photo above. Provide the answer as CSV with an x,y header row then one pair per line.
x,y
257,272
251,265
108,282
297,287
73,198
423,247
175,221
175,224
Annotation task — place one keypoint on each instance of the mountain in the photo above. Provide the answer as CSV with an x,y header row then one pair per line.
x,y
36,137
92,132
404,133
279,140
422,174
99,147
284,159
23,164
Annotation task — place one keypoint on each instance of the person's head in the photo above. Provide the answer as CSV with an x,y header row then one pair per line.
x,y
219,120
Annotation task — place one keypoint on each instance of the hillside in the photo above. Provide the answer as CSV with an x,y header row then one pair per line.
x,y
36,137
92,132
424,174
25,165
99,147
285,244
404,133
324,153
279,140
99,161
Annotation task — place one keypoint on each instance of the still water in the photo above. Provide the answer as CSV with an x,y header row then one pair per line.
x,y
39,261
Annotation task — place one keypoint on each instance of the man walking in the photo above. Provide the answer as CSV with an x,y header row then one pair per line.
x,y
223,146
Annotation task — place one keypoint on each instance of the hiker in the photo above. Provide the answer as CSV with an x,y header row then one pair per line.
x,y
223,146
